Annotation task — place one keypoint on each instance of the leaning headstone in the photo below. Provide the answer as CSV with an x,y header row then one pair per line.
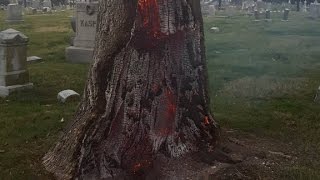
x,y
14,75
68,96
86,22
14,13
286,15
268,16
256,15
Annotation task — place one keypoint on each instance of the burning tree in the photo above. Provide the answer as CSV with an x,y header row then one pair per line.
x,y
146,92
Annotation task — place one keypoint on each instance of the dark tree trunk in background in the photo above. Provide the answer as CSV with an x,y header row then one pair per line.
x,y
219,6
146,93
298,5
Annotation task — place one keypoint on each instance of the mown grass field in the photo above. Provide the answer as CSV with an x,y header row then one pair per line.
x,y
263,78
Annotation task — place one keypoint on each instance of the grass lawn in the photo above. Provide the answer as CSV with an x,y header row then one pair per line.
x,y
263,78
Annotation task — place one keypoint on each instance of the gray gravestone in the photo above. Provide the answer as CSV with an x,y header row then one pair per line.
x,y
286,15
86,23
14,75
315,10
268,15
256,15
47,3
34,11
14,13
35,4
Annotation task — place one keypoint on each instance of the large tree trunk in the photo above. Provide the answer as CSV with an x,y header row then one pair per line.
x,y
146,93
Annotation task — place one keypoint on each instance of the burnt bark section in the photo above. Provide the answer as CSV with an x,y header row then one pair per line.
x,y
146,92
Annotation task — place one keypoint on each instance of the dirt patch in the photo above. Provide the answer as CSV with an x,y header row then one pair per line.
x,y
239,156
52,29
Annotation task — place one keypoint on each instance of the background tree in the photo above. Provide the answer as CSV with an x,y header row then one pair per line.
x,y
146,92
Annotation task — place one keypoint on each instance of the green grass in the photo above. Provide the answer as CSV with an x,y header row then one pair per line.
x,y
263,78
30,120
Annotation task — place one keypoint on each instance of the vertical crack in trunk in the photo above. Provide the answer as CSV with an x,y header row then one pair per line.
x,y
146,92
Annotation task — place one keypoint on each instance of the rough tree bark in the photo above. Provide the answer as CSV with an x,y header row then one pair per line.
x,y
146,92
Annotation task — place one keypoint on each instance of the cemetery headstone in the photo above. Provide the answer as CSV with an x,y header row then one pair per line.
x,y
83,44
256,15
47,3
286,15
14,75
68,96
33,59
268,15
315,10
214,29
305,6
35,4
34,11
14,13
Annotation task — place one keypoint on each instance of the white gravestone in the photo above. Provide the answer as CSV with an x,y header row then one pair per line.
x,y
14,75
315,10
86,24
67,96
14,13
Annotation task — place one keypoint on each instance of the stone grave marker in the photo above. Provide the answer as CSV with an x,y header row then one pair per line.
x,y
256,15
315,10
35,4
86,23
33,59
47,3
68,96
14,13
268,15
14,75
286,15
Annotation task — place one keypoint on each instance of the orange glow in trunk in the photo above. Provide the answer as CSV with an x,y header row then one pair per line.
x,y
149,12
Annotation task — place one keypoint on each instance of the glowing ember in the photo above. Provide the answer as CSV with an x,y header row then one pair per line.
x,y
143,164
206,120
149,12
171,106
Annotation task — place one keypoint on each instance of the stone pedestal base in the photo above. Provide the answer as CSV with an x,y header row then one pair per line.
x,y
7,90
79,55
